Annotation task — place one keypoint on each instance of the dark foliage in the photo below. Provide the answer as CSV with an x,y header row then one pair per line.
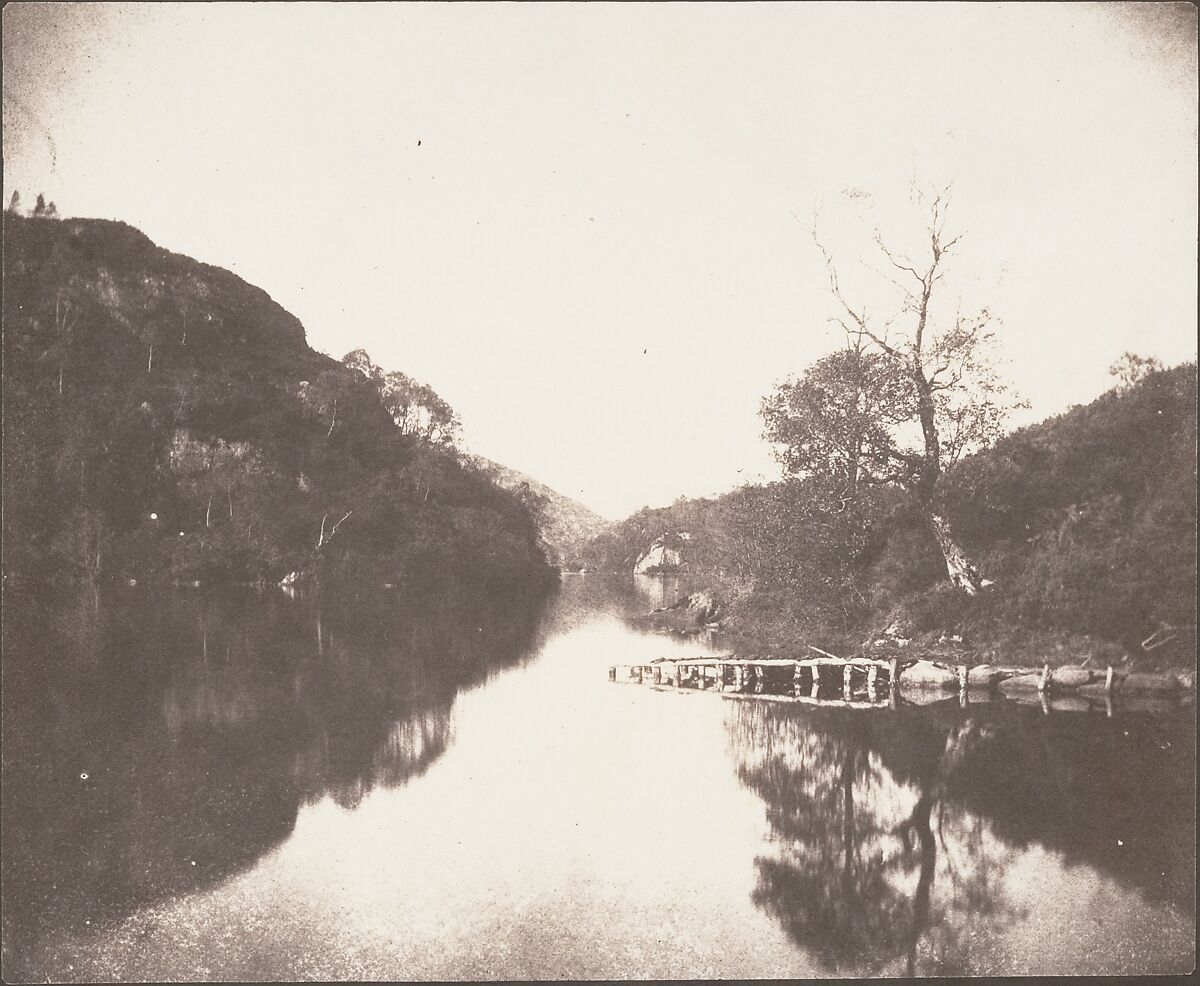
x,y
1085,524
165,420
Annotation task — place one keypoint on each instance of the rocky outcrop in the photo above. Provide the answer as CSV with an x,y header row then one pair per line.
x,y
935,676
705,607
926,674
663,555
984,676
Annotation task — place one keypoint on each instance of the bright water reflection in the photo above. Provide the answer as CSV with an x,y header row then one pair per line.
x,y
280,788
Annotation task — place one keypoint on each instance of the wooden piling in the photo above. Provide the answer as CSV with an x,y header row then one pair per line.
x,y
962,678
1108,680
1044,680
612,673
893,672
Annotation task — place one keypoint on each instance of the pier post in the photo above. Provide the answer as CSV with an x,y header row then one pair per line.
x,y
893,672
962,678
658,674
796,670
1045,679
612,673
639,673
816,682
846,682
1108,679
739,677
872,677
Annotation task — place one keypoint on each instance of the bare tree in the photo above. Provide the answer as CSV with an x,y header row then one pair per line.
x,y
921,391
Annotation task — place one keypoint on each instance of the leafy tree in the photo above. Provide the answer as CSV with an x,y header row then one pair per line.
x,y
1132,369
418,410
833,422
39,207
364,368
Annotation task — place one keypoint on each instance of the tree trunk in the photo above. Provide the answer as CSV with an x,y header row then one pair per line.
x,y
963,574
928,857
931,467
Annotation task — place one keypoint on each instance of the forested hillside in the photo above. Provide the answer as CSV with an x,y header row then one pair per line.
x,y
164,420
1083,524
565,525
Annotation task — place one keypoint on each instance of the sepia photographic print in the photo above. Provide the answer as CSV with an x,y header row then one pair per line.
x,y
590,491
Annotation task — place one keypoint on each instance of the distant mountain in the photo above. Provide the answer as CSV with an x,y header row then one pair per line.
x,y
565,525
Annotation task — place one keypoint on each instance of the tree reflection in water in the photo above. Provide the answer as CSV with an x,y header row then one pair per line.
x,y
872,859
899,830
156,742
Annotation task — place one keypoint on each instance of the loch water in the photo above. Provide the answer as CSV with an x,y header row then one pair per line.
x,y
251,785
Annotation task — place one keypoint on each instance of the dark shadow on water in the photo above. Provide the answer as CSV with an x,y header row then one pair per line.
x,y
156,742
895,828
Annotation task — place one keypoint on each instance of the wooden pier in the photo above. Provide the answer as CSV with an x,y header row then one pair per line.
x,y
855,683
873,683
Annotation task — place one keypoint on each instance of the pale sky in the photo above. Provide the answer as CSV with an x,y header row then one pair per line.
x,y
599,250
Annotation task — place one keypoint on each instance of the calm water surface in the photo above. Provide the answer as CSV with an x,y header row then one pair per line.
x,y
252,786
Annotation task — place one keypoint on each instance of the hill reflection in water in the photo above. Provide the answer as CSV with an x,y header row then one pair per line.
x,y
156,742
